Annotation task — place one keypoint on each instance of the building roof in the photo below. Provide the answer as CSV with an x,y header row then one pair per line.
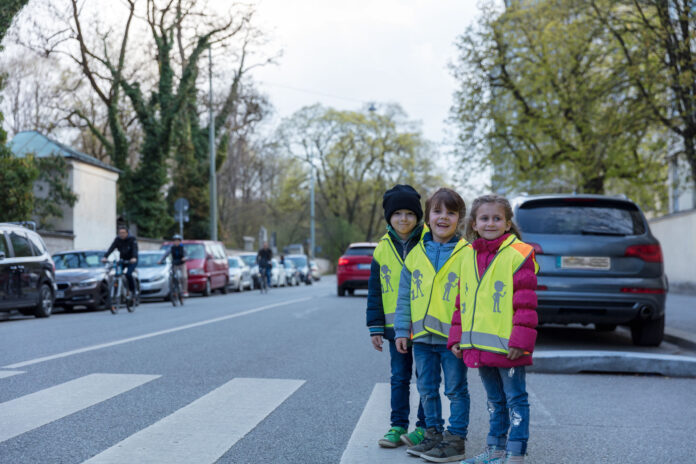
x,y
27,142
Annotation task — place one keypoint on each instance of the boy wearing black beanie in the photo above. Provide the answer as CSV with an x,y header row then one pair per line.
x,y
403,213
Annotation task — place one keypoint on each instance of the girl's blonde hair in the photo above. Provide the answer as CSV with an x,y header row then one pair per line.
x,y
451,200
471,234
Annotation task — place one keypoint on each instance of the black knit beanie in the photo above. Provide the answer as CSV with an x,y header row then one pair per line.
x,y
401,197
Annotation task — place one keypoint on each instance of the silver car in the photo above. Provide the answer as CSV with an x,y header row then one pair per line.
x,y
239,273
154,277
599,263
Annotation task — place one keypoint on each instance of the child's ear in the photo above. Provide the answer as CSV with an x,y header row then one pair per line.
x,y
508,225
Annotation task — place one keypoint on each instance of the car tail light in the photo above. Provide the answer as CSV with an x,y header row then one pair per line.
x,y
542,287
649,253
343,261
537,248
659,291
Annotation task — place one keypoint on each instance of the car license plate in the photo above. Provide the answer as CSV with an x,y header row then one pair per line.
x,y
60,294
597,263
364,266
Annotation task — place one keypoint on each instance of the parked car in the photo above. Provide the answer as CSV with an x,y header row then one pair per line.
x,y
314,270
27,276
250,260
240,276
302,264
599,263
353,270
154,277
292,274
82,279
278,278
206,266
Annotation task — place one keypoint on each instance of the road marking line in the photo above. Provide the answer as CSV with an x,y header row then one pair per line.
x,y
36,409
374,422
205,429
5,374
538,409
151,334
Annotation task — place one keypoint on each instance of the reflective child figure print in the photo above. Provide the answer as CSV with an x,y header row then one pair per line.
x,y
416,289
452,277
497,296
386,276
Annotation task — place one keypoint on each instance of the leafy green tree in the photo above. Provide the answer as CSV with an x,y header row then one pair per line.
x,y
546,104
7,13
357,156
656,39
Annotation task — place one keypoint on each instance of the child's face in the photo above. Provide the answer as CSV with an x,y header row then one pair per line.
x,y
443,223
403,221
490,222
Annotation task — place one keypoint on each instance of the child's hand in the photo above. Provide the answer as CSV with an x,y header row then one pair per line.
x,y
402,345
457,351
376,342
514,353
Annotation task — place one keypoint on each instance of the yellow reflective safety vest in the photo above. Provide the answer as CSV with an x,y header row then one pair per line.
x,y
433,294
486,301
390,266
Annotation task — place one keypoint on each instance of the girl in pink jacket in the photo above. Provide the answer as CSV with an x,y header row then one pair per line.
x,y
501,367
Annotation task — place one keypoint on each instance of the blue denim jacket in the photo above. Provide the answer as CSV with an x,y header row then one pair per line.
x,y
437,253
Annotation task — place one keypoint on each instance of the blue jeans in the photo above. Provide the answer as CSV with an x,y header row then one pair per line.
x,y
401,371
128,272
508,406
429,360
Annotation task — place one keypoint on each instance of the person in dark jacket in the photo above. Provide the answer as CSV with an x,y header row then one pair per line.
x,y
127,247
178,253
263,259
403,213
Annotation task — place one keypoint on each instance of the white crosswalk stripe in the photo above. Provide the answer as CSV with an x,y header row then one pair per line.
x,y
5,374
36,409
374,423
204,430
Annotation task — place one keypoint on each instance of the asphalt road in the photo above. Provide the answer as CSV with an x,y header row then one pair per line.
x,y
288,377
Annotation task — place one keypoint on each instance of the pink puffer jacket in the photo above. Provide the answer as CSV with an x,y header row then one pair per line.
x,y
524,303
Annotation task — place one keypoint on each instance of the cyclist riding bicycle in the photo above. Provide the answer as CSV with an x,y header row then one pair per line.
x,y
127,246
263,259
178,262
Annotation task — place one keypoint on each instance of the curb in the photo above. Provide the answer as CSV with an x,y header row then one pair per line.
x,y
680,337
573,362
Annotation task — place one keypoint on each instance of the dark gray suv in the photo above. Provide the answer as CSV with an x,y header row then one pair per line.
x,y
599,263
27,275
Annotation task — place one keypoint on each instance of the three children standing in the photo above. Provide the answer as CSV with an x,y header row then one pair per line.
x,y
473,301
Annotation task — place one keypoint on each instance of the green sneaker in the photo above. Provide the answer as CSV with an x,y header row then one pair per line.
x,y
392,438
414,438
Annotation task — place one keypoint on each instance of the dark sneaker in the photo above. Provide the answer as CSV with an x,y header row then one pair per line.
x,y
431,440
451,448
414,438
392,438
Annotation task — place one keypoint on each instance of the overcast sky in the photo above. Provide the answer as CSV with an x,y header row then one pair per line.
x,y
346,53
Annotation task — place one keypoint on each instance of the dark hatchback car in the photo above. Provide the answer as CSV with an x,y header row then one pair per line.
x,y
27,279
599,263
82,279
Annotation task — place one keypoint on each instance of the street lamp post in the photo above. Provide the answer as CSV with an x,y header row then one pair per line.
x,y
311,209
211,142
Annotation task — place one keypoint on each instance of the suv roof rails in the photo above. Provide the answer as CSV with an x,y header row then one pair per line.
x,y
28,224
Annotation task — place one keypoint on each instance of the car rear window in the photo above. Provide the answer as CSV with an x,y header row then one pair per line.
x,y
580,217
360,251
233,263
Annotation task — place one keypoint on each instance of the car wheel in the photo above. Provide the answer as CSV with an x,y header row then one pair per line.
x,y
351,291
341,291
206,290
648,333
605,327
44,307
225,288
103,298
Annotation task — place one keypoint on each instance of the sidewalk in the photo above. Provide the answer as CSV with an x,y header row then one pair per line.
x,y
680,320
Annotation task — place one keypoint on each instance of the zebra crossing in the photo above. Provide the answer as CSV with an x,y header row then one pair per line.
x,y
203,430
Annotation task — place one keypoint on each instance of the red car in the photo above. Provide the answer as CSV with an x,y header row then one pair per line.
x,y
206,264
353,270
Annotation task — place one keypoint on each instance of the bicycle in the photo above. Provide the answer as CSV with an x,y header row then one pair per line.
x,y
176,295
263,281
120,293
